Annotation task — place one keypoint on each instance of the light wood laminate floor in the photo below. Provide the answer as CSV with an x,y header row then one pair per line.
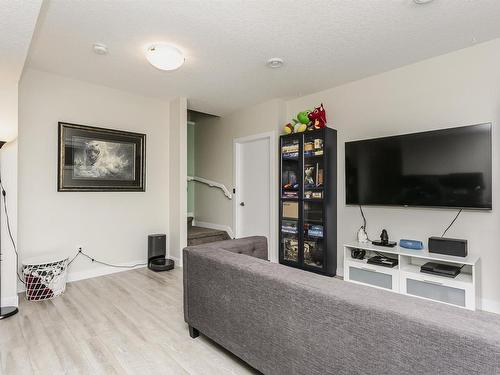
x,y
126,323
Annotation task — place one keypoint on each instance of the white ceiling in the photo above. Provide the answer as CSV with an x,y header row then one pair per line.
x,y
17,22
324,43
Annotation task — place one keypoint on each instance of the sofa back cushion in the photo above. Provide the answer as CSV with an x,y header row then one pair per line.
x,y
255,246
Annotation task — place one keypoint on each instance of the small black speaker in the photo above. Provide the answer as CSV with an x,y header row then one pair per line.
x,y
157,249
448,246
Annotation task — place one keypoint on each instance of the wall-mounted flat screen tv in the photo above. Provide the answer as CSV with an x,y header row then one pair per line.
x,y
441,168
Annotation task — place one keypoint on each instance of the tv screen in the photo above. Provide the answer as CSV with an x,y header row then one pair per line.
x,y
442,168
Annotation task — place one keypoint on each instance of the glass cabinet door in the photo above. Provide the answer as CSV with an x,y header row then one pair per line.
x,y
289,246
290,168
314,171
313,248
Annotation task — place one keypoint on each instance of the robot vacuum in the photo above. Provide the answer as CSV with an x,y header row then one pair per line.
x,y
157,250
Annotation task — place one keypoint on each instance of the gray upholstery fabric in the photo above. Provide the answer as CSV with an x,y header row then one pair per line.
x,y
286,321
254,246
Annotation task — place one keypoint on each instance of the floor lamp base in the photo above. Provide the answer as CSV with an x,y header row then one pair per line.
x,y
7,311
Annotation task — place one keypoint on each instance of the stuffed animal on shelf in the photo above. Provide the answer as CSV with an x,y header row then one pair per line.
x,y
318,117
308,178
299,124
299,127
288,128
303,117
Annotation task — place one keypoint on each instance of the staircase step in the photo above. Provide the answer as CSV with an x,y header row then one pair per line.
x,y
199,235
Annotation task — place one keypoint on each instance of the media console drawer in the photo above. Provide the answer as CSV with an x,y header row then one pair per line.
x,y
435,291
453,291
368,274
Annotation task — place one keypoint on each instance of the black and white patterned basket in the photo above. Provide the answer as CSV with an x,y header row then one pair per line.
x,y
45,277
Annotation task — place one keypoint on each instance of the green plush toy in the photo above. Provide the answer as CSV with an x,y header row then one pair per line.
x,y
299,124
303,117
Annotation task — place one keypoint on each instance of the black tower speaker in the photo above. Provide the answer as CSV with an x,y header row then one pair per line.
x,y
157,249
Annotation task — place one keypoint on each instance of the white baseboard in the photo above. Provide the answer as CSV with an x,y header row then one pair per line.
x,y
205,224
178,262
10,301
340,272
102,271
96,272
490,306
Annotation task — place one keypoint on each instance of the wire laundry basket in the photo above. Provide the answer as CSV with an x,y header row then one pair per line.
x,y
45,277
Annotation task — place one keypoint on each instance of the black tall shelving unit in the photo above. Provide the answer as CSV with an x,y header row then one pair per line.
x,y
308,201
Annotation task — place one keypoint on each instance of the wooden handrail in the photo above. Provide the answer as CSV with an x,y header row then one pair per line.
x,y
211,184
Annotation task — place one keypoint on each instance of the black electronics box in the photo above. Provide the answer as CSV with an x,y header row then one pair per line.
x,y
440,269
448,246
383,261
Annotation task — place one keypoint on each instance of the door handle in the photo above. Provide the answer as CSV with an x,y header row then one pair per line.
x,y
242,204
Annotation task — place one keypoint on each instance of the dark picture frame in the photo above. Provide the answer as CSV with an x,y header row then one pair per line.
x,y
99,159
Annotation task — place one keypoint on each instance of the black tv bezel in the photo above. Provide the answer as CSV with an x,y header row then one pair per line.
x,y
468,208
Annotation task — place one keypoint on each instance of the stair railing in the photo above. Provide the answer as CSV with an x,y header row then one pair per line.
x,y
211,183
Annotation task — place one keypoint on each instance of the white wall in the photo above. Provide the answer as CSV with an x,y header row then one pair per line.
x,y
214,155
8,162
460,88
8,109
112,226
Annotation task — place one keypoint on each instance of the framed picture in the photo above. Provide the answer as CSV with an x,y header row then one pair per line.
x,y
98,159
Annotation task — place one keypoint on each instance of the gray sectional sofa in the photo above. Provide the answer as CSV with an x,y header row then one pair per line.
x,y
282,320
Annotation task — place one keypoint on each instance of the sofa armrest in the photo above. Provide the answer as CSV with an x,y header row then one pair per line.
x,y
255,246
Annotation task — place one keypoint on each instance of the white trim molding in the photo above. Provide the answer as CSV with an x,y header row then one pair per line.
x,y
103,271
490,305
178,262
211,183
273,192
205,224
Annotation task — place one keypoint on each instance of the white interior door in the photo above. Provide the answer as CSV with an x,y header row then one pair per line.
x,y
254,196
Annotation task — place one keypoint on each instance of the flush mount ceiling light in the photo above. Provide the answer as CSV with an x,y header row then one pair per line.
x,y
100,49
275,62
164,56
421,2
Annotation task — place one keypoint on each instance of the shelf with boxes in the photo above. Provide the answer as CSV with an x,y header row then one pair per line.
x,y
407,278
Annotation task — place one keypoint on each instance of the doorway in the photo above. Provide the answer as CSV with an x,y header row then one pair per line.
x,y
254,207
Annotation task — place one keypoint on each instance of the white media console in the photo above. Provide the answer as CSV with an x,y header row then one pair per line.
x,y
406,278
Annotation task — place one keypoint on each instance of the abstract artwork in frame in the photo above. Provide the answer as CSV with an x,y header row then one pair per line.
x,y
98,159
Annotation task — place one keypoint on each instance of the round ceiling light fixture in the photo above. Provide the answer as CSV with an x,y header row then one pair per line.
x,y
275,62
421,2
100,49
164,56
